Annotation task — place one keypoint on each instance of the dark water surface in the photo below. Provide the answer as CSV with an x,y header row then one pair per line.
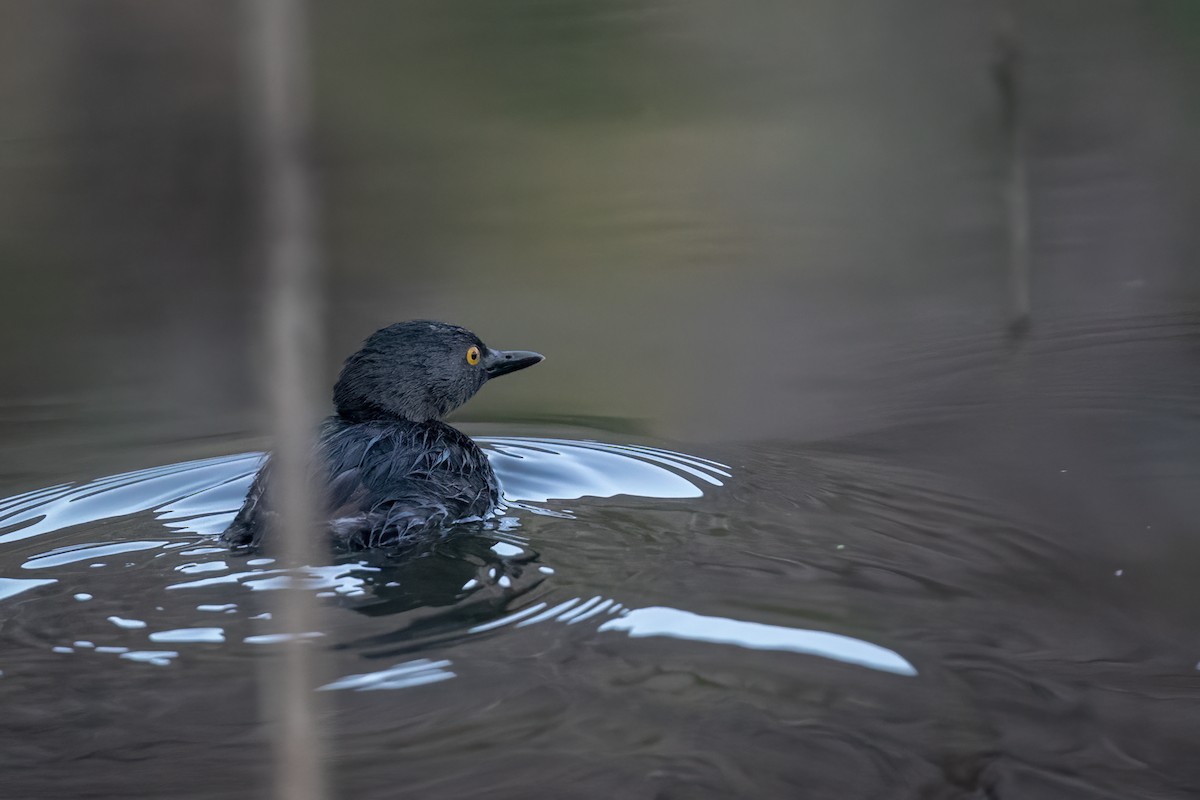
x,y
791,511
945,608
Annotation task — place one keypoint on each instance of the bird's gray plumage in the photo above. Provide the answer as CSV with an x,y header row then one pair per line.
x,y
389,469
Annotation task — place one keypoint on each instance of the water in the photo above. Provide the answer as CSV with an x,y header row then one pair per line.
x,y
639,619
199,499
878,546
122,574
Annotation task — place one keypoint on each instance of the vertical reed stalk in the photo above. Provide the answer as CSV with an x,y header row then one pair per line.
x,y
280,111
1009,70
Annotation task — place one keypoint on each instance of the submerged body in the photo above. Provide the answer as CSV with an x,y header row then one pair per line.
x,y
385,482
388,467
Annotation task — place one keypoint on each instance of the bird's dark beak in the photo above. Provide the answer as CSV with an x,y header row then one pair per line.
x,y
502,362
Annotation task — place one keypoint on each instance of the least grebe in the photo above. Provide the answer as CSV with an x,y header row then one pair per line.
x,y
390,467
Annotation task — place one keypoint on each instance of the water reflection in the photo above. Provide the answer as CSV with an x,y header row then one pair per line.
x,y
202,496
11,587
402,676
817,583
787,226
537,470
200,492
464,584
673,623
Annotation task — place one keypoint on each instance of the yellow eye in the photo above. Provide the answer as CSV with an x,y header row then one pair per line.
x,y
472,355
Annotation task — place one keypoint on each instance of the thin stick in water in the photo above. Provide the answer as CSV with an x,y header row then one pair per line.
x,y
280,112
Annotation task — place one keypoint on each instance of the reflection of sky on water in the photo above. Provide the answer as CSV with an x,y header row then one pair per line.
x,y
87,552
673,623
537,470
11,587
401,676
194,490
649,622
201,497
676,624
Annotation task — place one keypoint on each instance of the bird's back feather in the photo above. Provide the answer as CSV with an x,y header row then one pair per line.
x,y
386,481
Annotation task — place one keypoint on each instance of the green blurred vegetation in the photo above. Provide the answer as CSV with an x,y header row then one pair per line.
x,y
717,220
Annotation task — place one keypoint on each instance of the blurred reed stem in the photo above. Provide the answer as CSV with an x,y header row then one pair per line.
x,y
1008,78
281,119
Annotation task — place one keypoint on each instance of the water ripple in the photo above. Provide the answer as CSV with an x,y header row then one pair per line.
x,y
484,570
202,496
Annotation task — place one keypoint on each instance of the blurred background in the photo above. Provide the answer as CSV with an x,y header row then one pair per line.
x,y
777,234
718,222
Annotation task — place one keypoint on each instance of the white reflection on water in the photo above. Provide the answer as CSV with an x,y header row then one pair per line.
x,y
278,638
11,587
190,489
338,577
159,658
180,635
537,470
201,497
400,676
87,552
676,624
